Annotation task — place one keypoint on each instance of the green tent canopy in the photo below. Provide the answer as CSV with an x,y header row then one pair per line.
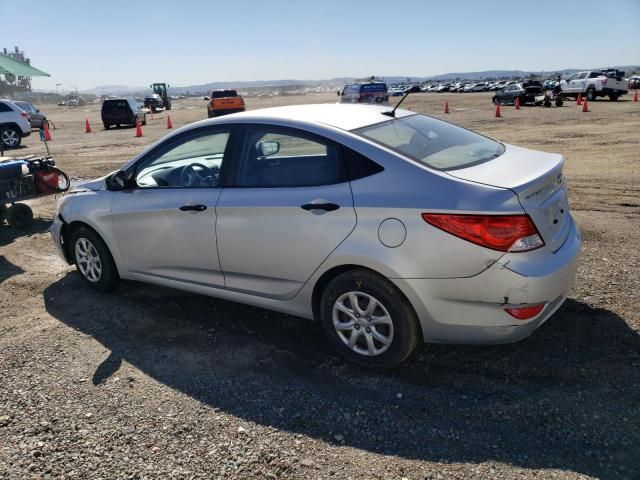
x,y
9,66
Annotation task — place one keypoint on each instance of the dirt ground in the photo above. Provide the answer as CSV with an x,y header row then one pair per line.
x,y
154,383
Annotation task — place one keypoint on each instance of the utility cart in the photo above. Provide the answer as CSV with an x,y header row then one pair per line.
x,y
23,179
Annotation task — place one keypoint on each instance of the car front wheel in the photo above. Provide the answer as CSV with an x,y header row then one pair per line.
x,y
367,320
93,259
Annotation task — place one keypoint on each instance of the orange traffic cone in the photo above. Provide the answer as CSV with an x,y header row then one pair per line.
x,y
446,107
169,124
498,111
138,128
585,106
87,127
47,135
635,97
517,103
579,101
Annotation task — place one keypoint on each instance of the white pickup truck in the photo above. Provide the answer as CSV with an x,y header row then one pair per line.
x,y
592,84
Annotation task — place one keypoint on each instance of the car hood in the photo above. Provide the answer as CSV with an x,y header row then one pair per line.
x,y
92,185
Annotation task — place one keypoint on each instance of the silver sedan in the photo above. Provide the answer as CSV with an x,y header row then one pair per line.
x,y
387,227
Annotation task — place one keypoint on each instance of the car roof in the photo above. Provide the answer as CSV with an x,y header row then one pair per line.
x,y
338,115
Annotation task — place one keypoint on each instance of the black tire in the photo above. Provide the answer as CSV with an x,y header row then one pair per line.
x,y
106,126
3,213
168,106
406,330
19,215
144,120
495,100
108,277
11,137
591,94
613,97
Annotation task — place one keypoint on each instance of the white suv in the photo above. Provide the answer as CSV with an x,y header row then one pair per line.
x,y
14,124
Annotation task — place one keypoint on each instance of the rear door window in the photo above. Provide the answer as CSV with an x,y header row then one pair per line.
x,y
277,157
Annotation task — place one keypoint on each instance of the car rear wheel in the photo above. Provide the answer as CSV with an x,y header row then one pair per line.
x,y
106,126
11,137
613,97
591,94
496,101
93,259
367,320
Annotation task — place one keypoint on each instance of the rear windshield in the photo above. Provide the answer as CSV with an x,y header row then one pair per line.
x,y
366,88
26,107
433,142
223,93
114,104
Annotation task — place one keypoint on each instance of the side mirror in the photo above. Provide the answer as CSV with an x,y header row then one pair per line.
x,y
116,181
266,149
338,93
206,98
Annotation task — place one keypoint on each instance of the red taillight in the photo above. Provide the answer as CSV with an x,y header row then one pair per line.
x,y
525,313
504,233
24,114
604,82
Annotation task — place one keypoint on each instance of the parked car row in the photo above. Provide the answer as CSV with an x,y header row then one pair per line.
x,y
591,84
17,119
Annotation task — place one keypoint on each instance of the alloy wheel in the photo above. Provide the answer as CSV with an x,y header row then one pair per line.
x,y
88,260
10,138
363,323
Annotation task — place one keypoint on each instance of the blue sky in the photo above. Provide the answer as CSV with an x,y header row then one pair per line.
x,y
135,42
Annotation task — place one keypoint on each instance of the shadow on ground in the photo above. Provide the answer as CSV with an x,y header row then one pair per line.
x,y
9,234
567,398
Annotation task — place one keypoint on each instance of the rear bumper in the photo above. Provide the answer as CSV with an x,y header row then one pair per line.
x,y
612,91
471,310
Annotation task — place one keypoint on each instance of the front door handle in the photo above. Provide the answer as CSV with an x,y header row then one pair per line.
x,y
193,208
327,207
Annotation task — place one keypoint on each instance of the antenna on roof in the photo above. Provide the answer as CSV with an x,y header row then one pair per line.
x,y
413,89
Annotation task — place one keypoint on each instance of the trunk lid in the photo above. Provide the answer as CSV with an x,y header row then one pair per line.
x,y
537,179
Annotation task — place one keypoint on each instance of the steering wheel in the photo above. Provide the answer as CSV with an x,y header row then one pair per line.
x,y
204,177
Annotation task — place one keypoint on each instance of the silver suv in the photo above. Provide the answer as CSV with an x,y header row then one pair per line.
x,y
14,124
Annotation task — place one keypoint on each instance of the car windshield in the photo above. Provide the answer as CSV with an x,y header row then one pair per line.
x,y
433,142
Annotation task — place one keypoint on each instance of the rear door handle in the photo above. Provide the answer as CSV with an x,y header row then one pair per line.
x,y
327,207
193,208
